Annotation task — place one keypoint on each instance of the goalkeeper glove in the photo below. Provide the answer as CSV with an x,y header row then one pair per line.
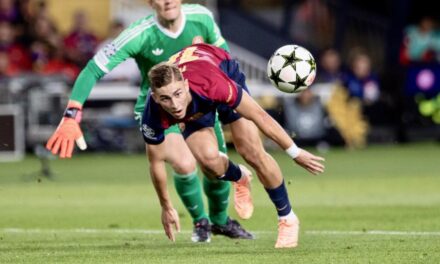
x,y
67,132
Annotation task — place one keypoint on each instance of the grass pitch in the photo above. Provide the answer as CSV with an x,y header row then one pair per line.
x,y
378,205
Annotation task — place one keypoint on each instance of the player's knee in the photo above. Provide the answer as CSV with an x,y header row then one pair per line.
x,y
184,166
212,164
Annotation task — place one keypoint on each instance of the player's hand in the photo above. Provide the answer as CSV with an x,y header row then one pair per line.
x,y
61,141
310,162
170,219
68,132
63,138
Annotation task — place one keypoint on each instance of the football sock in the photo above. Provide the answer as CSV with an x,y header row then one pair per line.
x,y
189,189
233,173
219,135
218,200
280,199
290,215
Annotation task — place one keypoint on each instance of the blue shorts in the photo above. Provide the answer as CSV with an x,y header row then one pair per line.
x,y
226,114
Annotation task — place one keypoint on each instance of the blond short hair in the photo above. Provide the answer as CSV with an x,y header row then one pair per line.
x,y
163,74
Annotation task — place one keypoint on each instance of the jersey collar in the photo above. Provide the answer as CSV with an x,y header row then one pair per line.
x,y
170,34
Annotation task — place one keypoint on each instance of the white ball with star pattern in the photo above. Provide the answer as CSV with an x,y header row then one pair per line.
x,y
291,69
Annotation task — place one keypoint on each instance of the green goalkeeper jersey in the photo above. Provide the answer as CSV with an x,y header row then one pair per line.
x,y
148,43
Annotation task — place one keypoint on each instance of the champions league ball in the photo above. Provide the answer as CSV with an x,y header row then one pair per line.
x,y
291,69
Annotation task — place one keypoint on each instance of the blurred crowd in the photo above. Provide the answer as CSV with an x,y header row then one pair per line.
x,y
341,105
421,43
31,42
344,102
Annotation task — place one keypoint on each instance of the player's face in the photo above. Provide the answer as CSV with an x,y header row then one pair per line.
x,y
173,98
168,10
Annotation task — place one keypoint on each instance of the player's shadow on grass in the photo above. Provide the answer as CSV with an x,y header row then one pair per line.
x,y
45,171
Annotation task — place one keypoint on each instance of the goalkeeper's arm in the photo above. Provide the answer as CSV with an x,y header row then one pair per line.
x,y
69,131
85,82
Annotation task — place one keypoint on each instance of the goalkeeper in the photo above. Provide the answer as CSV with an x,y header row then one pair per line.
x,y
149,41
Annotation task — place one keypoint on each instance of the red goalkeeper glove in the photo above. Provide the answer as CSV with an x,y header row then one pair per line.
x,y
67,132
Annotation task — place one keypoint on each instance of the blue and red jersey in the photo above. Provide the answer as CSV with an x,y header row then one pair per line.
x,y
208,70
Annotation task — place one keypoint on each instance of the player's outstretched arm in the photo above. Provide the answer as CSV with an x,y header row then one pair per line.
x,y
170,218
251,110
69,131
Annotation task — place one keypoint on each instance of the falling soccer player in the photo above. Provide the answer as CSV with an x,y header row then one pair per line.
x,y
188,90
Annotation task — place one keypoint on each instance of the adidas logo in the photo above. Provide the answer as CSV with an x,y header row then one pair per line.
x,y
157,51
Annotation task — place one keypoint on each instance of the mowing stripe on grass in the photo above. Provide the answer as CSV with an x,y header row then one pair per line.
x,y
147,231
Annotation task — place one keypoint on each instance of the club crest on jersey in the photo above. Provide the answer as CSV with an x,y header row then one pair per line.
x,y
197,40
182,127
157,51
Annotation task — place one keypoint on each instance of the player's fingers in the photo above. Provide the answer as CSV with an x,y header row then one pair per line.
x,y
166,228
312,169
50,142
171,232
318,158
177,224
81,143
63,148
56,145
69,150
317,170
318,166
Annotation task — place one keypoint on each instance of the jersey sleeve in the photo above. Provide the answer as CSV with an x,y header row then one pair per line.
x,y
153,133
85,82
128,44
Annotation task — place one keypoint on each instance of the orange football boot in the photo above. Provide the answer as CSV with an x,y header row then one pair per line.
x,y
288,231
242,195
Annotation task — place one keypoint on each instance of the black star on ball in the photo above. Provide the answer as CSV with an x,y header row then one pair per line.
x,y
275,76
290,59
312,64
299,82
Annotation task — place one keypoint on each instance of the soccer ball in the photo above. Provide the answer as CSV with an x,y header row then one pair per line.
x,y
291,69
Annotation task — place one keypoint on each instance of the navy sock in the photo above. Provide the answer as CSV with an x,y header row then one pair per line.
x,y
280,199
233,173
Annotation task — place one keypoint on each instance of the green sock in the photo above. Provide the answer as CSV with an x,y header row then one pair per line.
x,y
218,200
219,135
190,192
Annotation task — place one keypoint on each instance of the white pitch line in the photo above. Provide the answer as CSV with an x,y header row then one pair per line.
x,y
147,231
83,231
374,232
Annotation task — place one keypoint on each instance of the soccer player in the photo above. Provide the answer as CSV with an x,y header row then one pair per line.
x,y
187,90
149,41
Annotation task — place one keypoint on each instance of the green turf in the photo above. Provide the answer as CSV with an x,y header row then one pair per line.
x,y
103,209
